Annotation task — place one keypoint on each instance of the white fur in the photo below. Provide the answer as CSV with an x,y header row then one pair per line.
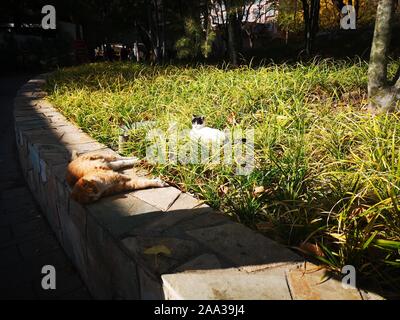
x,y
207,135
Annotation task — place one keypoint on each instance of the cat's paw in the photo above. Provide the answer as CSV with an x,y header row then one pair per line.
x,y
160,183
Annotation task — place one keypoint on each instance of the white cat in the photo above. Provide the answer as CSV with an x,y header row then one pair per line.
x,y
204,134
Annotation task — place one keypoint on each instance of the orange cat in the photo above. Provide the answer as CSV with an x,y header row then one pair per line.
x,y
93,176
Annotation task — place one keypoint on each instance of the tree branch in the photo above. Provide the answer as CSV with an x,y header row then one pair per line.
x,y
339,4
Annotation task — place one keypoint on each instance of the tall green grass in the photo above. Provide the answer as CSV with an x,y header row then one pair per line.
x,y
330,172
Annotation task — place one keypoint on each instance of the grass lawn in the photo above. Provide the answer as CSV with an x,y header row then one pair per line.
x,y
327,174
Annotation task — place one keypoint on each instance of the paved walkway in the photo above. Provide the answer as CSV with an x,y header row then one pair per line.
x,y
26,240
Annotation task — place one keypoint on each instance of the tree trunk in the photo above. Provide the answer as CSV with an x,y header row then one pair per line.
x,y
149,31
232,41
157,50
231,29
306,17
311,22
136,44
207,22
339,4
382,94
357,7
164,41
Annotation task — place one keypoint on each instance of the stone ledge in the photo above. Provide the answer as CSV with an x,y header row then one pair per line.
x,y
147,244
228,284
271,282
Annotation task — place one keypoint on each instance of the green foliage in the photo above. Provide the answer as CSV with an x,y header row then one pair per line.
x,y
206,47
329,172
195,41
290,17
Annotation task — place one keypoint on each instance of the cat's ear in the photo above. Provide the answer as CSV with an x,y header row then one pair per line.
x,y
194,116
202,118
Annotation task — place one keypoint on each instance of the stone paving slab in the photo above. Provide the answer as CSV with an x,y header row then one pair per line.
x,y
161,198
9,218
301,281
185,202
121,213
88,147
161,255
150,286
176,222
27,242
200,218
204,262
237,243
227,284
311,282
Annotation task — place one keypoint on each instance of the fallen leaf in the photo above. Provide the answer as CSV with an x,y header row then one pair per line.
x,y
258,190
282,120
259,115
264,226
157,250
223,190
311,248
232,119
339,236
356,212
